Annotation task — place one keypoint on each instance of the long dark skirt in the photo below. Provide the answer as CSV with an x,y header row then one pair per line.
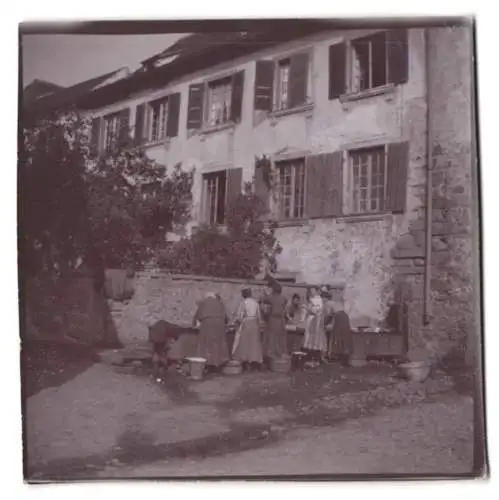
x,y
340,340
275,340
212,342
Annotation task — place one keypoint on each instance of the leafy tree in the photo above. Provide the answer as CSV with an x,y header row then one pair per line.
x,y
110,211
53,227
132,203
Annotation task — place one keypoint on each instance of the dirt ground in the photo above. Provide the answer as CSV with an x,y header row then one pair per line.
x,y
109,421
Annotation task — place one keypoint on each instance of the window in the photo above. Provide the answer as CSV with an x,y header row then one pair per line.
x,y
369,62
291,188
158,117
111,132
291,82
282,100
215,102
368,167
214,190
219,102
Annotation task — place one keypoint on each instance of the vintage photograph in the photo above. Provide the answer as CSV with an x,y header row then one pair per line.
x,y
250,249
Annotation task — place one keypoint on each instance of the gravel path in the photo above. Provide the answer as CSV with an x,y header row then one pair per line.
x,y
114,423
434,438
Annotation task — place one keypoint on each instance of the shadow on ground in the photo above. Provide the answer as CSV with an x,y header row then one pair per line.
x,y
50,364
326,396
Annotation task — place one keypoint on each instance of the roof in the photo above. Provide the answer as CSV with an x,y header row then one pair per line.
x,y
197,42
67,96
39,88
194,53
189,54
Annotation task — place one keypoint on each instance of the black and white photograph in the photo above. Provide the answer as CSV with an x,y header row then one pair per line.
x,y
250,249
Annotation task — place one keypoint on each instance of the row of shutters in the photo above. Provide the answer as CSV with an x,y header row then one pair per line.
x,y
324,183
397,56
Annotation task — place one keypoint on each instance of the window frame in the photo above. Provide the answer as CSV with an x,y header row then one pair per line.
x,y
113,144
309,100
149,119
351,58
278,166
278,84
205,198
349,165
208,85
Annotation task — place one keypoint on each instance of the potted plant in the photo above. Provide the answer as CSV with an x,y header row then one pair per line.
x,y
418,366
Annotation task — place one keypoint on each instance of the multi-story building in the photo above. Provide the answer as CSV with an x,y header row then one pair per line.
x,y
369,132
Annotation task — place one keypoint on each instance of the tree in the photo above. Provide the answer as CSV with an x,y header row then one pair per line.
x,y
53,227
133,203
110,210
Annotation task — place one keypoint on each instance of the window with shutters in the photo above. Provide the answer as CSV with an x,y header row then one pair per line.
x,y
214,196
219,98
369,62
291,82
291,188
216,103
158,111
111,132
368,169
370,65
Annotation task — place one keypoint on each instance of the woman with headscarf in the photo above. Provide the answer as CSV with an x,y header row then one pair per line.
x,y
275,340
247,346
315,342
340,339
212,337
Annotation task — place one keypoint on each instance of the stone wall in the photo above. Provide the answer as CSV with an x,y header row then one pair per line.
x,y
454,316
174,298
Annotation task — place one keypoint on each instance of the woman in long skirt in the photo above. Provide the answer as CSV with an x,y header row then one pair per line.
x,y
315,337
212,337
275,340
247,346
340,340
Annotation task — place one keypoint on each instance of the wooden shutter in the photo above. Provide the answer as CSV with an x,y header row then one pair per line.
x,y
140,116
398,56
332,204
195,106
298,79
314,182
337,70
124,125
173,115
264,85
236,105
261,188
396,171
96,134
234,187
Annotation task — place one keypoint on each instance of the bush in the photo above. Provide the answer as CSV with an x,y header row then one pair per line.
x,y
233,253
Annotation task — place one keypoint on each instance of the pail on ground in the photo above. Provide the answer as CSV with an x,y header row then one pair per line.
x,y
233,367
196,368
416,371
282,364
